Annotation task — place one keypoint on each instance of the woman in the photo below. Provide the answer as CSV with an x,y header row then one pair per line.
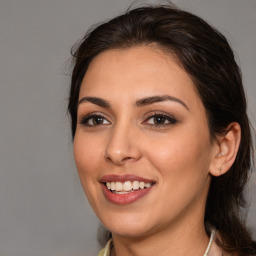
x,y
162,141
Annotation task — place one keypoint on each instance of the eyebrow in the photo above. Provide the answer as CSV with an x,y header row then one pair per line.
x,y
97,101
139,103
155,99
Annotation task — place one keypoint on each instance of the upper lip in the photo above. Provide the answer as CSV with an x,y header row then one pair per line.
x,y
123,178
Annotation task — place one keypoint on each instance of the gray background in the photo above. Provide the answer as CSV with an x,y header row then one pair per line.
x,y
43,210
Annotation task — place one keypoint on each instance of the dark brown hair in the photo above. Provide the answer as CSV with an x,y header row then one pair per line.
x,y
206,56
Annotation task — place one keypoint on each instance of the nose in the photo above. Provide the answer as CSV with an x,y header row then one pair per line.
x,y
123,146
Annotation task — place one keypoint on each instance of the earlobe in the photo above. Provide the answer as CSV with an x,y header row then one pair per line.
x,y
226,149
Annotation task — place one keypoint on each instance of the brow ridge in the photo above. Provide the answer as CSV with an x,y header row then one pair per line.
x,y
139,103
97,101
156,99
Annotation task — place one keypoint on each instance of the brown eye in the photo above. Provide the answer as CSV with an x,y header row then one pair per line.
x,y
160,120
97,120
94,120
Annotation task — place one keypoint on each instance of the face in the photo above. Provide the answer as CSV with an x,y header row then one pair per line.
x,y
142,145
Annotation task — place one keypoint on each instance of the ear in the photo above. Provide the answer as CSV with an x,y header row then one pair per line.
x,y
225,150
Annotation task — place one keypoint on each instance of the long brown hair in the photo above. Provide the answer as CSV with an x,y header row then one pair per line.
x,y
207,57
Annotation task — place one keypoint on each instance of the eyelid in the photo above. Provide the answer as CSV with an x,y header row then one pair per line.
x,y
85,118
172,120
158,113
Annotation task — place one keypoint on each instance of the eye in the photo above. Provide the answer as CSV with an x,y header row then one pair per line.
x,y
160,120
94,120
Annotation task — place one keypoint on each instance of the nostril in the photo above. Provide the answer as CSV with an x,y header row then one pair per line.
x,y
126,158
108,159
118,161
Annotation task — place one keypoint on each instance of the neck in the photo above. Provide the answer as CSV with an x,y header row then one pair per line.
x,y
169,242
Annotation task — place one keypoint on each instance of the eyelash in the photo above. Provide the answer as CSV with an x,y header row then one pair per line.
x,y
85,120
171,120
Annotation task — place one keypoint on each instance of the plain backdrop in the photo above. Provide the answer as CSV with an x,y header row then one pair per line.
x,y
43,210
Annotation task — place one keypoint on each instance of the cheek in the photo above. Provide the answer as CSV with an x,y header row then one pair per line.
x,y
182,166
180,156
87,152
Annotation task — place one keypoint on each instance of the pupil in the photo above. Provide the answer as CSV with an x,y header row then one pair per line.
x,y
98,120
159,120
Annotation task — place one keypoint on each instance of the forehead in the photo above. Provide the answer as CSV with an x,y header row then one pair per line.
x,y
122,74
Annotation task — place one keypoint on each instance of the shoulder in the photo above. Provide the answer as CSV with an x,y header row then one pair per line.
x,y
102,252
106,250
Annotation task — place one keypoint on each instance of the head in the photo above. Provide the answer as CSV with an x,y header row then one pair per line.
x,y
202,56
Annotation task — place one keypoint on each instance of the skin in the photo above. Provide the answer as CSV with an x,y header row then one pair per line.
x,y
179,156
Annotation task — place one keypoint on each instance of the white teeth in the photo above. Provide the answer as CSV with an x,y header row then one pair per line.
x,y
123,192
119,186
142,185
147,185
108,185
135,184
128,186
113,185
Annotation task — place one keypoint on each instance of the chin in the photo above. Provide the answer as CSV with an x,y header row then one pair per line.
x,y
128,226
132,231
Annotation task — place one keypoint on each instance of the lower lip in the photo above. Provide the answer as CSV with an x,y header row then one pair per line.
x,y
124,198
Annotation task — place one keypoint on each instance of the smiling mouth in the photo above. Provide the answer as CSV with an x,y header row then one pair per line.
x,y
126,187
